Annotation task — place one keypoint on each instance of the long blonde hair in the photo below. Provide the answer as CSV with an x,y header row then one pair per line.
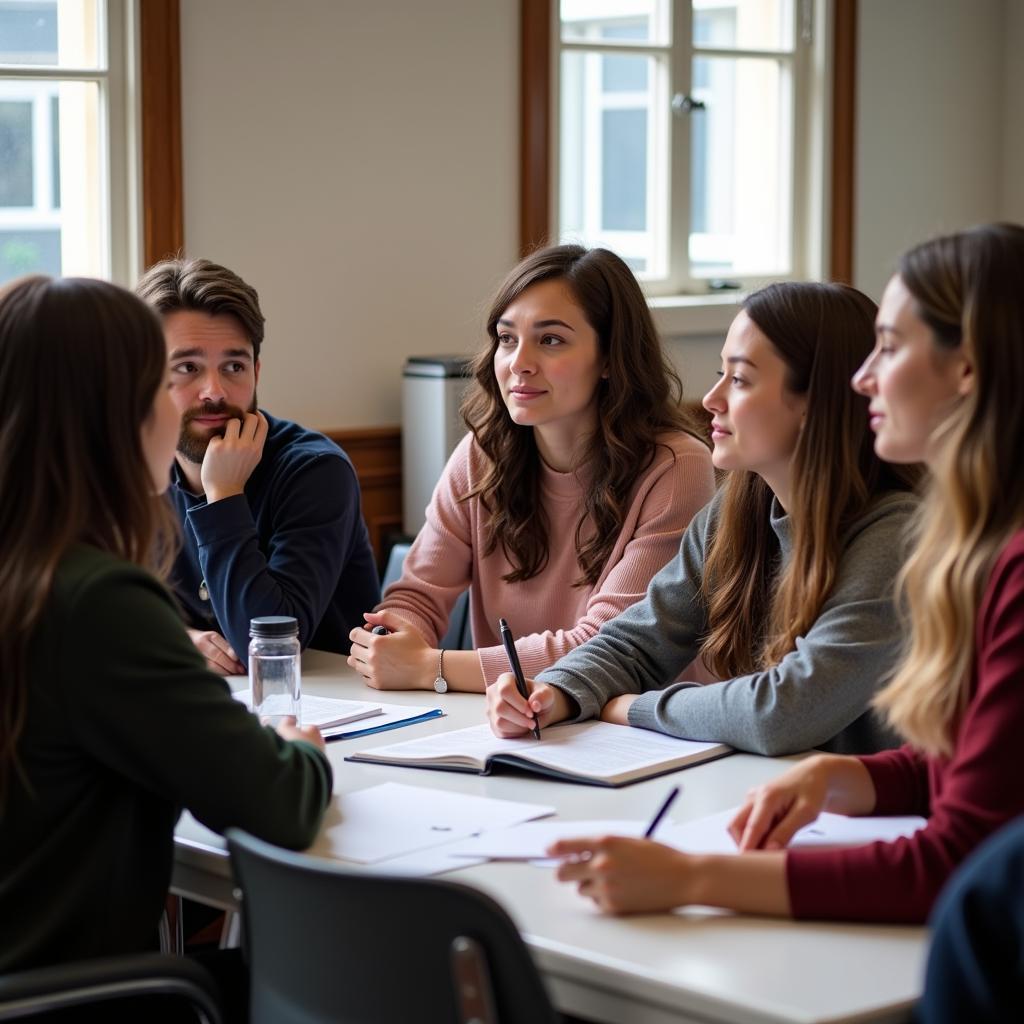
x,y
967,288
756,609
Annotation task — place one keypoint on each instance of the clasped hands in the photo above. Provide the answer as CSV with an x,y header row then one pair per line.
x,y
399,660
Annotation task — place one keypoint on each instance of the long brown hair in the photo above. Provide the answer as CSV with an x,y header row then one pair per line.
x,y
80,364
967,288
756,610
638,401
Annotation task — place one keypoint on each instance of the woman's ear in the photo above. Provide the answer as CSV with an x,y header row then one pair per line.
x,y
965,378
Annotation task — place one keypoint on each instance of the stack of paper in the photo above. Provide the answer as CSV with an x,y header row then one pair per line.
x,y
324,712
347,718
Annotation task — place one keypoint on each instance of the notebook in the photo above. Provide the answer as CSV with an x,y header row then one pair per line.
x,y
593,753
392,716
324,712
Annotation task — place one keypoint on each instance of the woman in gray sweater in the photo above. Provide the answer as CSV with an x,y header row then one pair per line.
x,y
783,584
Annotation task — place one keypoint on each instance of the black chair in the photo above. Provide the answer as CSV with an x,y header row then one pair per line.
x,y
327,944
143,986
460,635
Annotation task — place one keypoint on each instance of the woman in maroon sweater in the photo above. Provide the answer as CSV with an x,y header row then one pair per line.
x,y
943,383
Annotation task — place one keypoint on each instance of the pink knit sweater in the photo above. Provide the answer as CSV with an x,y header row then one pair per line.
x,y
547,614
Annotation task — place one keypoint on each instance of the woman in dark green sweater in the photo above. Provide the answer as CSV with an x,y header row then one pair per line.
x,y
109,722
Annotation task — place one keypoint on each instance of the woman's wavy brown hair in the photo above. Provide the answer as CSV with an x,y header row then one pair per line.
x,y
639,400
80,365
968,290
757,609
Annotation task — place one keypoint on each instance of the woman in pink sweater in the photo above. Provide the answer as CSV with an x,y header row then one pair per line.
x,y
944,386
572,489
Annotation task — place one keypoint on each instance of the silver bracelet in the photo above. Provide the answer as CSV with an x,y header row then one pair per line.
x,y
440,683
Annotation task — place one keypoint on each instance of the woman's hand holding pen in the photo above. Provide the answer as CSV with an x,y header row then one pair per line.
x,y
512,715
773,813
626,876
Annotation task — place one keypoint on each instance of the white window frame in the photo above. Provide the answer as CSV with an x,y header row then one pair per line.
x,y
119,130
679,292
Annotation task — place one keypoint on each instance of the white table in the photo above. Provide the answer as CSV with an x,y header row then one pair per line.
x,y
692,966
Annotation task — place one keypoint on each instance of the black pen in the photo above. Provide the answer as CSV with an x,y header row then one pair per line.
x,y
517,669
662,811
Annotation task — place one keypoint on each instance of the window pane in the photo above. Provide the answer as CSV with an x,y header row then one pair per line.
x,y
741,167
55,150
623,74
16,152
62,227
743,24
624,170
63,33
29,252
609,191
640,21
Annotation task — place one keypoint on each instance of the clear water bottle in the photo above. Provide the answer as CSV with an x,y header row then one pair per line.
x,y
275,673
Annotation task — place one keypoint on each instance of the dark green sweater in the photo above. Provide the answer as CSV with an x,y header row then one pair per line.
x,y
125,726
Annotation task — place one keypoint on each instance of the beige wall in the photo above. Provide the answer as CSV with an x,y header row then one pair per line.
x,y
930,125
1011,192
357,162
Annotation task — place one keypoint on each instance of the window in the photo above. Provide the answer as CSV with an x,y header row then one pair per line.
x,y
689,138
65,143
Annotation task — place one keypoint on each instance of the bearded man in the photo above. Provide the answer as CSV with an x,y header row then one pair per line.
x,y
270,511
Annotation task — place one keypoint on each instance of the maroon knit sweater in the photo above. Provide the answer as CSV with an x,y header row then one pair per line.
x,y
966,797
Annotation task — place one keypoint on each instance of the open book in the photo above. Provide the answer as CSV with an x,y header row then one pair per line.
x,y
595,753
324,712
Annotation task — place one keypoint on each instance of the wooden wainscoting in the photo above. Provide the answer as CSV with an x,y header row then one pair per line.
x,y
376,452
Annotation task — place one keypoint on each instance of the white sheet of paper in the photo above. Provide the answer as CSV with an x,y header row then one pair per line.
x,y
531,840
423,863
391,820
318,710
710,835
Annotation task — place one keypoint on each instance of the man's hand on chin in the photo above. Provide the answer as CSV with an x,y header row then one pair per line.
x,y
230,460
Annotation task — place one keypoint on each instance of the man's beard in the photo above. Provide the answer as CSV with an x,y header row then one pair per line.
x,y
191,445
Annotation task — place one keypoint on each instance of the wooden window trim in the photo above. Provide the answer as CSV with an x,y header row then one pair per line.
x,y
844,113
160,82
534,123
535,130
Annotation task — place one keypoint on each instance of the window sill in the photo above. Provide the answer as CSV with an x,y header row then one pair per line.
x,y
680,316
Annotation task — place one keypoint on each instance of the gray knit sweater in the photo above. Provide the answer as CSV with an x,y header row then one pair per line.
x,y
816,696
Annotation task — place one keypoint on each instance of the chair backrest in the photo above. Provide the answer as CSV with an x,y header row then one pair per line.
x,y
152,987
459,636
328,944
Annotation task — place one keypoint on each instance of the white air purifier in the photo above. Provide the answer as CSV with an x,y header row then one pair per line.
x,y
432,390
